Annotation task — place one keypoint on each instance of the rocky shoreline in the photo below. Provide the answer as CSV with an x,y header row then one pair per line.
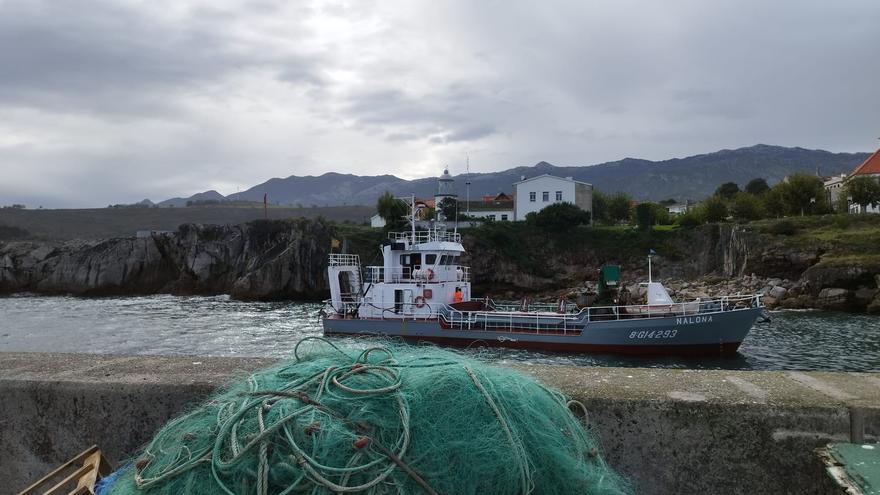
x,y
263,260
286,260
776,293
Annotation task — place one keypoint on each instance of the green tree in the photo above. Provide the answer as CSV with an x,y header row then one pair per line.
x,y
802,194
648,214
746,207
863,191
661,214
427,213
757,186
392,210
713,209
772,203
559,217
727,190
450,210
690,218
619,207
644,216
600,207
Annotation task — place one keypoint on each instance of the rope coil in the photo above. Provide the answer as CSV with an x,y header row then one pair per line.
x,y
408,420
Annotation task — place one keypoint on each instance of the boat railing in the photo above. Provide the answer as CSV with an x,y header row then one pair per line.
x,y
533,322
339,259
691,308
569,320
379,274
422,236
531,306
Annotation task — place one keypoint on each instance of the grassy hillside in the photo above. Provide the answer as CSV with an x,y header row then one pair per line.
x,y
844,240
102,223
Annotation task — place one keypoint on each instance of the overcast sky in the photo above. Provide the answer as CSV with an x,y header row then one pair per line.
x,y
113,102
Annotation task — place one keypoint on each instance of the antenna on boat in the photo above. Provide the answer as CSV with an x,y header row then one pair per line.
x,y
412,218
651,254
467,183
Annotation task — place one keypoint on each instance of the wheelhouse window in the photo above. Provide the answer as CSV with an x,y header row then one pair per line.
x,y
430,259
558,195
532,196
545,196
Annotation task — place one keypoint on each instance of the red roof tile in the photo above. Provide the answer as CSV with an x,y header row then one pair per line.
x,y
869,166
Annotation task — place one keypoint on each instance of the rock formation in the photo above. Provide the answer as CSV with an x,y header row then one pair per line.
x,y
261,260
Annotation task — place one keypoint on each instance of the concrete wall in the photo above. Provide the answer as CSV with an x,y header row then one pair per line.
x,y
671,431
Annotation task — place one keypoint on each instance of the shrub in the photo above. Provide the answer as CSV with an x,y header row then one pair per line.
x,y
559,217
690,219
727,190
746,207
783,227
714,209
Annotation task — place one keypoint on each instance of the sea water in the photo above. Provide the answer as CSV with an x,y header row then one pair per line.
x,y
220,326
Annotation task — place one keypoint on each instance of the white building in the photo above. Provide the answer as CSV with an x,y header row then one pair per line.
x,y
833,189
679,209
498,207
532,195
376,221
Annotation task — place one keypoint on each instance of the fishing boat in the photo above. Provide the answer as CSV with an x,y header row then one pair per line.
x,y
422,292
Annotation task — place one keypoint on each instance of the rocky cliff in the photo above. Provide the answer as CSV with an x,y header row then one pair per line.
x,y
262,260
822,266
807,266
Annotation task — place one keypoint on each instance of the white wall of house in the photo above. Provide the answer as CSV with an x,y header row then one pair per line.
x,y
497,215
532,195
376,221
677,209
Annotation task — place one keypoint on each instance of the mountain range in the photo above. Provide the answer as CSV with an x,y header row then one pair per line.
x,y
694,177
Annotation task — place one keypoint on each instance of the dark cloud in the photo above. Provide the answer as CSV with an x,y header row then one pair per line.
x,y
105,102
107,57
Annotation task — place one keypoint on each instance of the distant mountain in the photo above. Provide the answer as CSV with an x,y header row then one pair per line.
x,y
203,196
694,177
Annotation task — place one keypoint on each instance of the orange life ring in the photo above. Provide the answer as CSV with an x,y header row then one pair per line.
x,y
419,302
429,274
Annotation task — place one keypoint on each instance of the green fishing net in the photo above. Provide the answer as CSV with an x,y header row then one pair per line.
x,y
390,419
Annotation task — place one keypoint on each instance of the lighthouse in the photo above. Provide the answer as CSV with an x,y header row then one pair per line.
x,y
445,189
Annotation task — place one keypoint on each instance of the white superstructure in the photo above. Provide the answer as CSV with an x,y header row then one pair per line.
x,y
421,272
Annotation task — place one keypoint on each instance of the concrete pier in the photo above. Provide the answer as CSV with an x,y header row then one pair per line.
x,y
670,431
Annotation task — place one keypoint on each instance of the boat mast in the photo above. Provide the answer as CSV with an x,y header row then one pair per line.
x,y
412,218
467,184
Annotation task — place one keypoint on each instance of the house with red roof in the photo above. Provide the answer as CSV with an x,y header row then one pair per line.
x,y
868,168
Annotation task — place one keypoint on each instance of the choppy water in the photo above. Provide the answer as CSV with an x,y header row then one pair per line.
x,y
218,326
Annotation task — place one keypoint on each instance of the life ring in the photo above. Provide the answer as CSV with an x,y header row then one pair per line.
x,y
419,302
429,274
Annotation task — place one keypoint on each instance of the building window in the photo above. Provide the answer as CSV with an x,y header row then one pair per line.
x,y
491,217
504,217
545,196
532,196
558,195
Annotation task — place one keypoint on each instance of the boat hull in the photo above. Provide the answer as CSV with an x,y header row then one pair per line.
x,y
714,333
